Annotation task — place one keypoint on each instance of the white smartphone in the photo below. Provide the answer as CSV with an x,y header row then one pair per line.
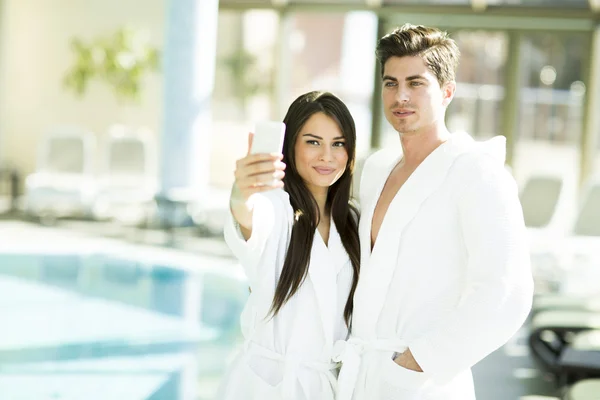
x,y
268,137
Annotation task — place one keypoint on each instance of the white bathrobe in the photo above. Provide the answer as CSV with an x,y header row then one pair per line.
x,y
289,356
448,277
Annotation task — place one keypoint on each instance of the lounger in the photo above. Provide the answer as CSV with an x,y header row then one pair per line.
x,y
581,358
552,331
539,199
128,183
561,302
588,389
64,182
548,199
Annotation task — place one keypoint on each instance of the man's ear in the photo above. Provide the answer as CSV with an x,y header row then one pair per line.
x,y
448,91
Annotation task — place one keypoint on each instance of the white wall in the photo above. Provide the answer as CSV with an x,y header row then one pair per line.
x,y
34,56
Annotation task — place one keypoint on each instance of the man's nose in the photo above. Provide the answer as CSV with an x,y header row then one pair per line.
x,y
402,95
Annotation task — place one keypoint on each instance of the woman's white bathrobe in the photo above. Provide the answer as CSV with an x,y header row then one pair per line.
x,y
289,356
448,277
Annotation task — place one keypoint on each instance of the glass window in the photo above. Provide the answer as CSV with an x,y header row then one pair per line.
x,y
358,2
542,3
549,123
335,52
553,88
242,2
245,65
429,2
477,104
244,85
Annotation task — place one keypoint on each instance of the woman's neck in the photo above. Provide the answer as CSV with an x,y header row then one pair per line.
x,y
320,196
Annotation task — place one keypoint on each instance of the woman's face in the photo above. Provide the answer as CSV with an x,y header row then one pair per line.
x,y
320,153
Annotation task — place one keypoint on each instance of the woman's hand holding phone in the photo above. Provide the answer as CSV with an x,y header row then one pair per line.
x,y
254,173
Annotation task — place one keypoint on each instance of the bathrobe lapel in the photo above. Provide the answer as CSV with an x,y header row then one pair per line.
x,y
326,261
379,265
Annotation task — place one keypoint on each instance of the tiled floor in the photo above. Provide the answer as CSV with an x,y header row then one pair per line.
x,y
509,373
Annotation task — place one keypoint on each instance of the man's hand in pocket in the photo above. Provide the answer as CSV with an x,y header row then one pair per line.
x,y
406,360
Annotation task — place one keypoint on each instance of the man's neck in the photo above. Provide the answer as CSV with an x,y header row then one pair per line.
x,y
416,146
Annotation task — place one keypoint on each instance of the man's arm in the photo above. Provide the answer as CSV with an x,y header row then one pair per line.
x,y
499,290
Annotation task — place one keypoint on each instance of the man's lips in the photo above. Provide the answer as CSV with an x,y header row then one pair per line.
x,y
324,170
402,113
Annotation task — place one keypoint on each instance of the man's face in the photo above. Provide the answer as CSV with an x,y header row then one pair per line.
x,y
412,97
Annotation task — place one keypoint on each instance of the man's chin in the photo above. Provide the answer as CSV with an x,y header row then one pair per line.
x,y
405,129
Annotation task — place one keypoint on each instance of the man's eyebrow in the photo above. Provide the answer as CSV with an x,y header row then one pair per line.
x,y
320,138
408,78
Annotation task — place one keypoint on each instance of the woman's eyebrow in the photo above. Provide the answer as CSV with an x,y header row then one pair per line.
x,y
320,138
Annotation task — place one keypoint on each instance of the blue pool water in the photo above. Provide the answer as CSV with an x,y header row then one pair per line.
x,y
97,325
88,318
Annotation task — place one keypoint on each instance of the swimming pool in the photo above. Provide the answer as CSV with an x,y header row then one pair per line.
x,y
87,319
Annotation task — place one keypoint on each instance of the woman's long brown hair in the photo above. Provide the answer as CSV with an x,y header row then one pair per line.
x,y
306,210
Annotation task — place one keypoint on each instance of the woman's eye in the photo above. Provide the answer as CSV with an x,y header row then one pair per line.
x,y
312,142
339,144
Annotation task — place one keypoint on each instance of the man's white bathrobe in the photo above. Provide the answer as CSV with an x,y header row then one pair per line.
x,y
448,277
289,356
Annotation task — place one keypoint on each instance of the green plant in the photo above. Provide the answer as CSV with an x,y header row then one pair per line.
x,y
120,60
248,79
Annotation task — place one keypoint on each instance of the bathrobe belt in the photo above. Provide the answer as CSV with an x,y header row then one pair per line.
x,y
350,352
291,364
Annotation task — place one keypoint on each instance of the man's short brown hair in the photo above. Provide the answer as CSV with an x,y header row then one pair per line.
x,y
435,47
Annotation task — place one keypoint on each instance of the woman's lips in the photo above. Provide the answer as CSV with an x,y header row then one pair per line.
x,y
324,171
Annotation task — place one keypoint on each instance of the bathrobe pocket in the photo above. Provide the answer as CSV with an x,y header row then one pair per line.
x,y
397,382
261,389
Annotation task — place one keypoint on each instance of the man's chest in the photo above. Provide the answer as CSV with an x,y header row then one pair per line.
x,y
394,183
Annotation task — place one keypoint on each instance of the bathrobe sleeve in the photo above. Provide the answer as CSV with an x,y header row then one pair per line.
x,y
272,219
499,288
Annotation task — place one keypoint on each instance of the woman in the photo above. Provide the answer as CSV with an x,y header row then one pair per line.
x,y
295,233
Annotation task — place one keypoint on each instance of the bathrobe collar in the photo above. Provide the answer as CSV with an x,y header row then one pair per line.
x,y
378,266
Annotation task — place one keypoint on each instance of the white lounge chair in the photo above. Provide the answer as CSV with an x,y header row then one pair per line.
x,y
64,183
127,183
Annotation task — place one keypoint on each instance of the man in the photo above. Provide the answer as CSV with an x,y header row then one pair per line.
x,y
445,276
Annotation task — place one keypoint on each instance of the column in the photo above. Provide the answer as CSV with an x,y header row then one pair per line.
x,y
189,70
357,66
591,117
512,95
283,67
377,101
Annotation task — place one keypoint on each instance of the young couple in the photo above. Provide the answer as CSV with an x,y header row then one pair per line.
x,y
434,277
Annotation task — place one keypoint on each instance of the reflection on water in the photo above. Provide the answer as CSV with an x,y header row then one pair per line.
x,y
98,326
